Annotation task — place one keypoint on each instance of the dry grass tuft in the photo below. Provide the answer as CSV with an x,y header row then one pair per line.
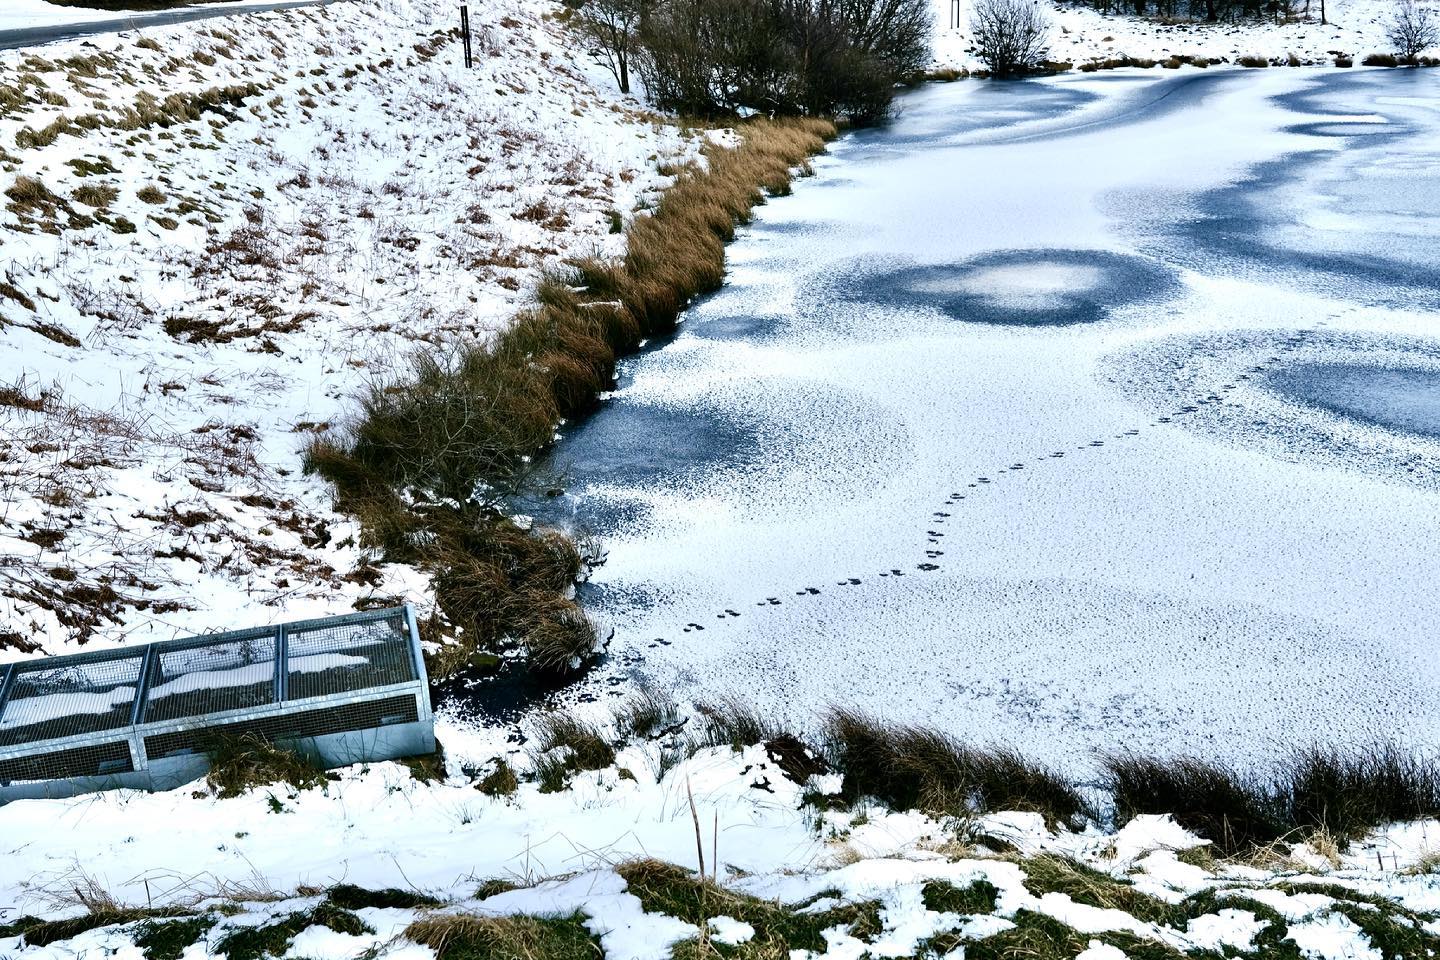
x,y
1322,795
910,767
458,936
238,764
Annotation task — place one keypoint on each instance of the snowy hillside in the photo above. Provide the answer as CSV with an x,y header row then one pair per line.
x,y
1081,34
213,236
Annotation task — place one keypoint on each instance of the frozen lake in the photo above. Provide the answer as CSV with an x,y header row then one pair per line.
x,y
1094,412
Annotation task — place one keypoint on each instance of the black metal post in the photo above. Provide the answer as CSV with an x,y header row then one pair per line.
x,y
142,689
465,35
282,664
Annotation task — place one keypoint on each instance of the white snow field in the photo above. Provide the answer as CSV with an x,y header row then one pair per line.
x,y
1080,35
1061,415
266,854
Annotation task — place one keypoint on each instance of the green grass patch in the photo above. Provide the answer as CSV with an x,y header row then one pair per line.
x,y
979,896
167,940
238,764
273,939
349,897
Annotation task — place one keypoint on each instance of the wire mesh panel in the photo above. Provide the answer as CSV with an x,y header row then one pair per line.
x,y
362,715
52,699
228,673
92,761
327,659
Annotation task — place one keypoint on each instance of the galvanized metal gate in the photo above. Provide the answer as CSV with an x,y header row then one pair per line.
x,y
340,690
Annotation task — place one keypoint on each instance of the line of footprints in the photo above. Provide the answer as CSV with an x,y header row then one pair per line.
x,y
938,518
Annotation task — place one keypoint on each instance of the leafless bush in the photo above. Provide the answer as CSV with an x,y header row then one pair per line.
x,y
792,57
1012,37
613,29
1412,30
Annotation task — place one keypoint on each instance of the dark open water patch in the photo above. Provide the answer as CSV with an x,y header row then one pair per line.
x,y
1406,400
1331,128
504,695
1032,288
629,445
751,328
929,116
1363,402
1242,226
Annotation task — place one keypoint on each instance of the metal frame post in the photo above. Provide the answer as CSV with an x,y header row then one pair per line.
x,y
142,689
282,663
418,653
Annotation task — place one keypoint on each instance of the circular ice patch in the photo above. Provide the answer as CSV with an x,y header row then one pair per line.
x,y
1022,287
1364,401
1407,400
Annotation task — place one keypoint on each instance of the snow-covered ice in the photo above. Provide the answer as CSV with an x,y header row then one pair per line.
x,y
889,466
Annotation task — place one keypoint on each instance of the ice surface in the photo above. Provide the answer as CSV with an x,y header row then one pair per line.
x,y
1127,530
1407,400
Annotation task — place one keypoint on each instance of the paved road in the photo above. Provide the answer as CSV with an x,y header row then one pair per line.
x,y
33,36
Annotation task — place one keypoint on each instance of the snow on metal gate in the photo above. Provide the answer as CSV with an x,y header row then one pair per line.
x,y
340,690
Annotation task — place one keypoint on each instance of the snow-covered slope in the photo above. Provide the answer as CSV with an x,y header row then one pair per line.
x,y
214,236
277,852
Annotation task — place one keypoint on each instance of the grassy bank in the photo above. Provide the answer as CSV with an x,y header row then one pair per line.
x,y
467,930
973,888
1322,796
431,455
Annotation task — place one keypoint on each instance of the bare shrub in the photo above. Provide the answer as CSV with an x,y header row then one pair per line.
x,y
613,29
1012,37
787,57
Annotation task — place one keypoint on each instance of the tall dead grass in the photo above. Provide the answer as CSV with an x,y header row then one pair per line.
x,y
1317,792
912,767
464,428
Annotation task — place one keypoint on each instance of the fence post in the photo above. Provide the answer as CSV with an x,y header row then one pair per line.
x,y
5,686
282,663
465,35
